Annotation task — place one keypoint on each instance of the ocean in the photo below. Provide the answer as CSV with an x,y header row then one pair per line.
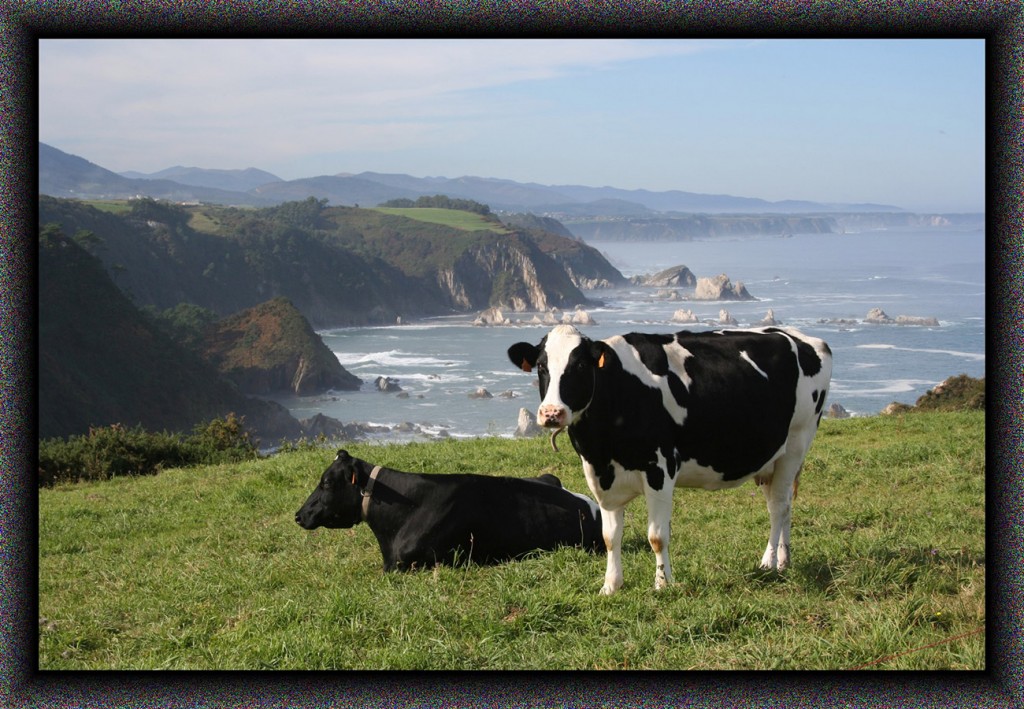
x,y
822,284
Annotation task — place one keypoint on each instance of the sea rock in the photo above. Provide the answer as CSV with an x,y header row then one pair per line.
x,y
491,316
321,425
387,385
582,317
669,278
669,295
877,316
684,316
914,320
837,411
768,319
721,288
527,426
334,430
480,393
725,318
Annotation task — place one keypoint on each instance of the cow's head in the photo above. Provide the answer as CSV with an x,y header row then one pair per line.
x,y
337,501
566,364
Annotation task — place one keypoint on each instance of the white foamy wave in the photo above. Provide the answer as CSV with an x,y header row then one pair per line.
x,y
972,356
395,358
877,387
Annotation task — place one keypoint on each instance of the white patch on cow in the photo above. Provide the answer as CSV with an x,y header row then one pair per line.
x,y
631,364
752,363
677,356
595,511
562,340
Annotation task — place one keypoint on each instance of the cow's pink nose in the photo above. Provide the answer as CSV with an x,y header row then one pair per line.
x,y
551,416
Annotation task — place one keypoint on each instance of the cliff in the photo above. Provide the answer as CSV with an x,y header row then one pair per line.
x,y
338,265
102,362
271,349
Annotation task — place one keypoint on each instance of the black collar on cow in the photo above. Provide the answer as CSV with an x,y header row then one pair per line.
x,y
368,490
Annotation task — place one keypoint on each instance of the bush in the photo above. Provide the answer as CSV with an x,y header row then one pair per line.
x,y
115,450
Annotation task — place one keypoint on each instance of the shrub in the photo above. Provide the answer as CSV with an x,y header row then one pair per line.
x,y
115,450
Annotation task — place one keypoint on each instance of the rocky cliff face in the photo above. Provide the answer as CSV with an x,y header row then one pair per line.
x,y
511,273
102,362
271,349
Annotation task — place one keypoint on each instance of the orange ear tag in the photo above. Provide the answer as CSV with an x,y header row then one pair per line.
x,y
526,366
600,361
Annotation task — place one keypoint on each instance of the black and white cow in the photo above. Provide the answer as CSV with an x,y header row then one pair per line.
x,y
695,409
421,519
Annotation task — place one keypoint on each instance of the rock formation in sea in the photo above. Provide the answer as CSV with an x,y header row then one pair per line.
x,y
768,319
684,316
877,316
720,288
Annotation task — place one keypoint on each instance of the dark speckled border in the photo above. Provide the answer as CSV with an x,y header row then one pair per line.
x,y
1000,22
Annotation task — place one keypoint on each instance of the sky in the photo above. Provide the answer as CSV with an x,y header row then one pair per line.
x,y
898,122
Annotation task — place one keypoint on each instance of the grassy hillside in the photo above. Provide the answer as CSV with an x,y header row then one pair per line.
x,y
337,265
467,221
206,569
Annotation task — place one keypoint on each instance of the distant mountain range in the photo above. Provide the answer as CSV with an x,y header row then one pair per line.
x,y
65,175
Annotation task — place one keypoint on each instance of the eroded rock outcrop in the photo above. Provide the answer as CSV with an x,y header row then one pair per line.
x,y
676,276
272,349
877,316
768,319
527,425
684,316
720,288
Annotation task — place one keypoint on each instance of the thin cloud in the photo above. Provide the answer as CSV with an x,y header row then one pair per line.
x,y
275,99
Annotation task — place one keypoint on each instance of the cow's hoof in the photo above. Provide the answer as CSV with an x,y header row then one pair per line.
x,y
607,590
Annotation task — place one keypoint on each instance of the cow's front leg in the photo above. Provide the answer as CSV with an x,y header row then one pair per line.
x,y
612,523
659,527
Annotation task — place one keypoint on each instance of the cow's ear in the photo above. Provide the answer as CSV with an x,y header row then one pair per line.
x,y
601,352
524,355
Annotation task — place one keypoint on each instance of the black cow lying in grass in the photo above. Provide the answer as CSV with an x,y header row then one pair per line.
x,y
421,520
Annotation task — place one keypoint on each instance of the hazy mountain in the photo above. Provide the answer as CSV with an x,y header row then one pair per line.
x,y
344,190
63,175
230,180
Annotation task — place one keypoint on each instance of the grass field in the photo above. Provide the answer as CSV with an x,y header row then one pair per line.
x,y
114,206
206,569
457,219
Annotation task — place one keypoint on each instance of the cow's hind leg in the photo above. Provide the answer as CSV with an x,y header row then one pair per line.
x,y
659,527
612,523
778,492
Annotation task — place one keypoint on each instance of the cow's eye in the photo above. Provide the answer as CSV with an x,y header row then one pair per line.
x,y
325,484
